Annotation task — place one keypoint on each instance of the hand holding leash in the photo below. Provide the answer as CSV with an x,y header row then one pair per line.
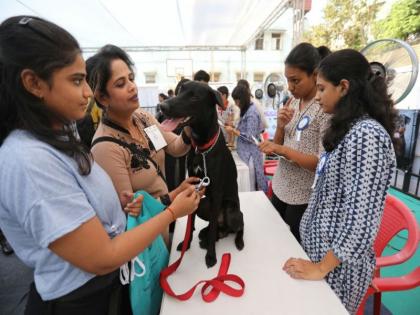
x,y
186,202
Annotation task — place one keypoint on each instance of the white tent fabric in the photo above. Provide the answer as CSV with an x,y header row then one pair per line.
x,y
158,23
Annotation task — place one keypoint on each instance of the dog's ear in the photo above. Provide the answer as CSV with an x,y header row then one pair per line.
x,y
218,98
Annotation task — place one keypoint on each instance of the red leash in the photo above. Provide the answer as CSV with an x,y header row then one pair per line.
x,y
217,284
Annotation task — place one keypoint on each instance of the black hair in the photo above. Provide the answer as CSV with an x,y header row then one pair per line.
x,y
170,93
367,95
306,57
28,42
179,85
201,75
164,96
242,94
98,68
223,90
245,83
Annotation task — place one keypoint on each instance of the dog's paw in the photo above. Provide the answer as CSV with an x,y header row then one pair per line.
x,y
211,260
239,241
179,247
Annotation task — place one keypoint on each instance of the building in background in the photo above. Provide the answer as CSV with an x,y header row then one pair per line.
x,y
158,71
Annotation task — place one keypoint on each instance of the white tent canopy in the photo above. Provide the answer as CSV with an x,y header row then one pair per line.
x,y
155,24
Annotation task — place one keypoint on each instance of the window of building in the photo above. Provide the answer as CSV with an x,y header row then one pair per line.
x,y
150,77
276,41
238,75
259,42
215,76
258,76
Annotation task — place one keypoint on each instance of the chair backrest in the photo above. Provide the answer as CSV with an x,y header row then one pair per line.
x,y
397,217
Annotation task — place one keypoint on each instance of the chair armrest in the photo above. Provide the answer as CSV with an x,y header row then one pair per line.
x,y
406,282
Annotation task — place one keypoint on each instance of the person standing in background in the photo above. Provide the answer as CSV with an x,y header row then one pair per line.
x,y
249,128
228,115
258,105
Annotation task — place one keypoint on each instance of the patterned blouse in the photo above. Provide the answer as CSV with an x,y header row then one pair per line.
x,y
292,183
250,125
345,210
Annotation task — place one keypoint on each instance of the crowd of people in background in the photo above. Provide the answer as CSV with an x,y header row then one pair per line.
x,y
333,137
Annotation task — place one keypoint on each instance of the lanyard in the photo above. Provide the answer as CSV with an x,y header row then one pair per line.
x,y
295,127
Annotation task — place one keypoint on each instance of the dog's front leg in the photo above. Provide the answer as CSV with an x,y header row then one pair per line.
x,y
211,258
179,247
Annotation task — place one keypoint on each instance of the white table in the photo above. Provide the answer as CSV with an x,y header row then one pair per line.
x,y
244,182
268,289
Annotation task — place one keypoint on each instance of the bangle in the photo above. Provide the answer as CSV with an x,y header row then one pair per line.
x,y
172,213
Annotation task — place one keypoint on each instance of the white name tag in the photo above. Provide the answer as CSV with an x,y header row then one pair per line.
x,y
156,137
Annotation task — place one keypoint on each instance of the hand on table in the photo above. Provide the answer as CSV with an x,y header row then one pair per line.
x,y
299,268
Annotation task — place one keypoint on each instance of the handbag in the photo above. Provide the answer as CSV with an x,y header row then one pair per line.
x,y
145,291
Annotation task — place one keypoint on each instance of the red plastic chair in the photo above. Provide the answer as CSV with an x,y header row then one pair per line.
x,y
270,167
270,189
396,217
265,135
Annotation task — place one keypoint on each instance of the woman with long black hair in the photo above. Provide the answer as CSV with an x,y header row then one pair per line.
x,y
59,209
340,224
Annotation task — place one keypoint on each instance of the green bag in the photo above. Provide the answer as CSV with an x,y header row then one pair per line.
x,y
145,290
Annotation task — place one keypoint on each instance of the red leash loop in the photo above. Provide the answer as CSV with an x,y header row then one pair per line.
x,y
216,284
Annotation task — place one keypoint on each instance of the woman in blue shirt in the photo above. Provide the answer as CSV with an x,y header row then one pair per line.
x,y
249,128
58,208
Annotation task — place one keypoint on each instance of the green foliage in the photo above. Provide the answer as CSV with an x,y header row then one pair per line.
x,y
347,24
402,21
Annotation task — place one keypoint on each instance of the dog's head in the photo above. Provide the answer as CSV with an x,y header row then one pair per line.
x,y
194,106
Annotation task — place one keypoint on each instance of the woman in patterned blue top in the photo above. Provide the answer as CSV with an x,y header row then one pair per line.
x,y
340,224
249,128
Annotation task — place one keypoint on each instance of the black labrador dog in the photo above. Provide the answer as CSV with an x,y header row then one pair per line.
x,y
195,106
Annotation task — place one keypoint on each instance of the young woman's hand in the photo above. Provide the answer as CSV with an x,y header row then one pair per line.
x,y
187,183
299,268
269,147
130,206
284,116
186,202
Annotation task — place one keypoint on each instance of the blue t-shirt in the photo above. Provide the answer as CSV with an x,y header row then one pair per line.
x,y
43,197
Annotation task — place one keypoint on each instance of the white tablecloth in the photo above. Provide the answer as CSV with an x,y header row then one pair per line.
x,y
244,183
268,289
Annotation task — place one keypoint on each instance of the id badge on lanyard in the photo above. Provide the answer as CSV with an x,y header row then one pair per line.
x,y
156,137
320,168
302,125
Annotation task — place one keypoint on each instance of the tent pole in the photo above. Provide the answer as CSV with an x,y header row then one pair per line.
x,y
243,63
